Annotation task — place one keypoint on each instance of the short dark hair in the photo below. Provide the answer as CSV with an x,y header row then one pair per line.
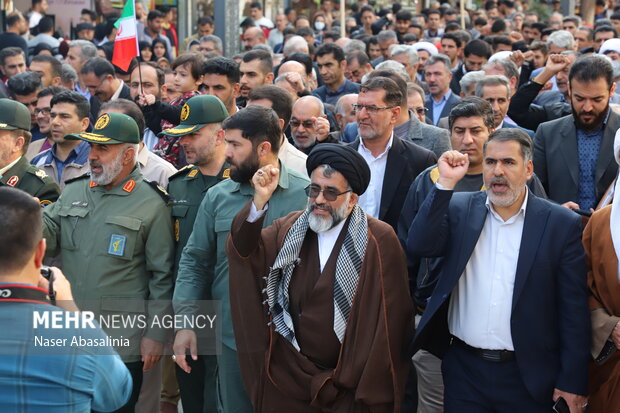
x,y
331,48
161,76
404,15
589,30
205,20
51,91
82,106
91,13
280,99
155,14
540,45
433,11
20,220
453,37
472,106
10,52
130,109
266,62
365,9
222,66
191,60
257,124
513,135
46,24
480,21
498,26
99,66
23,84
400,81
505,40
13,18
55,64
331,34
591,68
256,5
539,26
605,28
479,48
393,93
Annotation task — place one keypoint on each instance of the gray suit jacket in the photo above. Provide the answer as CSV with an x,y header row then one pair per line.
x,y
556,158
434,139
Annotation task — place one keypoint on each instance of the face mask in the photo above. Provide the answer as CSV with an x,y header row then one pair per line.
x,y
319,25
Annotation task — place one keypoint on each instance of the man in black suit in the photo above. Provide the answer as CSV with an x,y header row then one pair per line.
x,y
100,78
438,74
394,163
509,314
573,155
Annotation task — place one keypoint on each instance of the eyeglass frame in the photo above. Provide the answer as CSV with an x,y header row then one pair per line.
x,y
327,197
371,109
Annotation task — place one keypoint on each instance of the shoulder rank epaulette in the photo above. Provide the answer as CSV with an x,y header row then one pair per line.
x,y
78,178
160,191
181,172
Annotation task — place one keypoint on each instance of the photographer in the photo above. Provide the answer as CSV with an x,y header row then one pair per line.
x,y
60,379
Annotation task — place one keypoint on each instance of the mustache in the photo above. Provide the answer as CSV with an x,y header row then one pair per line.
x,y
324,207
499,180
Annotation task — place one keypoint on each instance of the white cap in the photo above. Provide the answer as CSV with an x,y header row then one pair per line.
x,y
610,45
504,54
428,46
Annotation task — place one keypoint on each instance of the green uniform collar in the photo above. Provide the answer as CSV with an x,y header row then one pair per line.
x,y
125,187
194,172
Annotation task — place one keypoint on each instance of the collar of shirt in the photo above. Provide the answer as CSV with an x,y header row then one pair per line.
x,y
135,174
327,240
78,155
245,188
501,125
443,99
9,166
338,91
118,91
143,156
365,152
510,220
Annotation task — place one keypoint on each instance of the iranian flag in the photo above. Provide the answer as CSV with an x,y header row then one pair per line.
x,y
126,42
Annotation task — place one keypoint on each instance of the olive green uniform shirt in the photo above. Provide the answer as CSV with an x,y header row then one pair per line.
x,y
203,269
31,179
187,188
117,250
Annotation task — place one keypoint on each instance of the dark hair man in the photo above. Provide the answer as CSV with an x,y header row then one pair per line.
x,y
100,78
44,121
87,379
154,30
66,159
12,62
25,88
16,27
221,79
438,75
540,250
331,63
252,138
476,54
255,69
48,68
573,155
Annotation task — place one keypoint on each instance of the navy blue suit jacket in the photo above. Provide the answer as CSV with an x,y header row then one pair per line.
x,y
550,320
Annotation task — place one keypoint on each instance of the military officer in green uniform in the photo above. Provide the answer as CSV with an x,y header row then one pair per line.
x,y
202,138
15,170
252,138
113,230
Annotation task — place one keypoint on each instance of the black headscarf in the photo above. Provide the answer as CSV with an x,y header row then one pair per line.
x,y
345,160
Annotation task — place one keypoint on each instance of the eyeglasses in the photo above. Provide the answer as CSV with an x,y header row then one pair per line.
x,y
371,109
44,111
329,194
308,124
421,111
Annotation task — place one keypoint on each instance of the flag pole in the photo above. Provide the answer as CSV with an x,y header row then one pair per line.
x,y
140,75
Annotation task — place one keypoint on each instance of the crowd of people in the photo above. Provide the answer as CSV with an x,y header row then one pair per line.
x,y
416,216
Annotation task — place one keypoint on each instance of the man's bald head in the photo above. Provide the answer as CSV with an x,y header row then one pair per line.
x,y
310,105
303,126
293,66
344,109
253,36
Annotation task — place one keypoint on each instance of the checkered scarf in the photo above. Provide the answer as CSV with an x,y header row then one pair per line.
x,y
348,267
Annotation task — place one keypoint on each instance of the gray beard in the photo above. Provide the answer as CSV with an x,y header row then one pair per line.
x,y
325,223
110,172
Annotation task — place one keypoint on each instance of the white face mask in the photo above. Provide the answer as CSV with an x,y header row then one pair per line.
x,y
319,25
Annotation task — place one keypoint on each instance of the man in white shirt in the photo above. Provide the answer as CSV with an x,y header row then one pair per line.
x,y
509,314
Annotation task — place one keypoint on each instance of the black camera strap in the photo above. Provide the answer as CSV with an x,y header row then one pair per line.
x,y
23,294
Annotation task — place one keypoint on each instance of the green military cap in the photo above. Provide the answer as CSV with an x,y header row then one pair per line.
x,y
111,128
14,115
197,113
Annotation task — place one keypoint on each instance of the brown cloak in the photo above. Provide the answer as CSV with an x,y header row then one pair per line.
x,y
605,310
371,368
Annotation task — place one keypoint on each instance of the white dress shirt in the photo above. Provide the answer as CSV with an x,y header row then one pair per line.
x,y
481,303
327,239
154,168
370,201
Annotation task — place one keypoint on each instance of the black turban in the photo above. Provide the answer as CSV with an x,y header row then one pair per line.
x,y
345,160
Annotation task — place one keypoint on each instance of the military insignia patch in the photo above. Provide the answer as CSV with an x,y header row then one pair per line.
x,y
192,173
185,112
12,181
40,173
129,185
226,173
92,184
45,202
177,230
102,122
117,245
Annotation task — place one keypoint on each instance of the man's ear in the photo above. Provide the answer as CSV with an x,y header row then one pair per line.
x,y
39,253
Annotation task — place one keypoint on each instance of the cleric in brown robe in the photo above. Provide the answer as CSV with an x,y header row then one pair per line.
x,y
319,327
601,240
